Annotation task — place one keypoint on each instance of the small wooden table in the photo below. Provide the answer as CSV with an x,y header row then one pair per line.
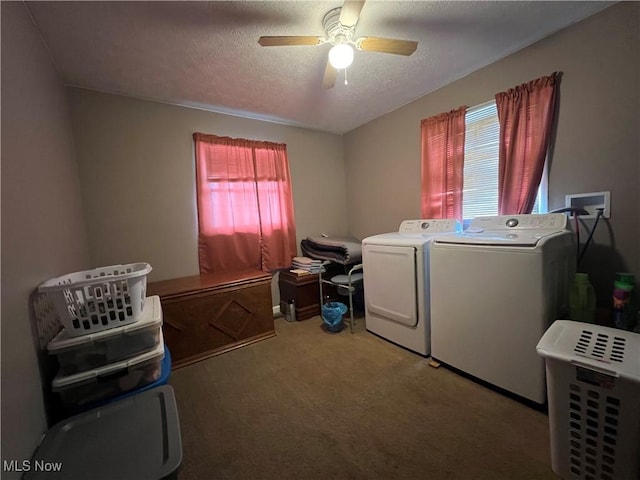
x,y
303,291
206,315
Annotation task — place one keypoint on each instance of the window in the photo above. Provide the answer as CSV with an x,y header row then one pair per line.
x,y
480,190
245,205
238,206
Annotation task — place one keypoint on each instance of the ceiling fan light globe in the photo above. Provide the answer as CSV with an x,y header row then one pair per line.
x,y
341,56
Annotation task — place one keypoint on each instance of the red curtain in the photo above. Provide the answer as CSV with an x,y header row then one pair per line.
x,y
442,164
526,115
245,205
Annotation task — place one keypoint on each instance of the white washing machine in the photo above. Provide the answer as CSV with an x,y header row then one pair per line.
x,y
495,289
396,282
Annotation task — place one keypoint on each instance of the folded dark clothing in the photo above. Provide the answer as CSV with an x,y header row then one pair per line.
x,y
340,250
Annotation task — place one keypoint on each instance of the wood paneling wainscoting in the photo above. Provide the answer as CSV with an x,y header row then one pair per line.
x,y
206,315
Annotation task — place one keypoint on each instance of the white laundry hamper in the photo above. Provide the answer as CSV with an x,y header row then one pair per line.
x,y
95,300
593,387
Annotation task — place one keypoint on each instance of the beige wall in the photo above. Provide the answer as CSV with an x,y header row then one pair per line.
x,y
596,148
43,233
138,179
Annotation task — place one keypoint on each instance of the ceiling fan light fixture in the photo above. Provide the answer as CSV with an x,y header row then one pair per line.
x,y
341,56
339,25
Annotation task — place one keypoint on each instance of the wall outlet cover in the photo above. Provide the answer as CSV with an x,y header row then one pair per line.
x,y
591,202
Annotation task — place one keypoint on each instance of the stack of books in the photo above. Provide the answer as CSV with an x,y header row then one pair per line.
x,y
306,266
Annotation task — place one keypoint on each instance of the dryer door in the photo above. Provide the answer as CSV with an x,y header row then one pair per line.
x,y
390,282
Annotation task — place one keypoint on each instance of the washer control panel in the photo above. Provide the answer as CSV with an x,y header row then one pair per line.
x,y
546,221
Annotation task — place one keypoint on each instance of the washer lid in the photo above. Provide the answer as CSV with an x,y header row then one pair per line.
x,y
503,238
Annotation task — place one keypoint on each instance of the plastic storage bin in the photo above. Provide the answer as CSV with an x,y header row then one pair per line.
x,y
593,386
79,354
135,438
93,386
163,379
94,300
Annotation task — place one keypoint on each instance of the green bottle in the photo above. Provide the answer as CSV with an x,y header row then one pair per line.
x,y
582,299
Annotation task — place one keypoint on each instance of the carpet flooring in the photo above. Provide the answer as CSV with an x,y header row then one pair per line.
x,y
308,404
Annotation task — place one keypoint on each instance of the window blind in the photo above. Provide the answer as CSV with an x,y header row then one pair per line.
x,y
482,134
480,188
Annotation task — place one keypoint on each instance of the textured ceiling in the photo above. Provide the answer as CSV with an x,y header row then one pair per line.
x,y
206,54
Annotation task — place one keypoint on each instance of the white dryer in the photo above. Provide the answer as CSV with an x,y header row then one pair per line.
x,y
495,289
396,282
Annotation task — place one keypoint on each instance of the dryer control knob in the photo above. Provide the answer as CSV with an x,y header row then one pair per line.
x,y
512,222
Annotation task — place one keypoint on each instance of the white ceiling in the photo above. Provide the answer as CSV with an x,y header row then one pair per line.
x,y
206,54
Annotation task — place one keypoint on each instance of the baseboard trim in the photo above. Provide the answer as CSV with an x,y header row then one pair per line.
x,y
276,311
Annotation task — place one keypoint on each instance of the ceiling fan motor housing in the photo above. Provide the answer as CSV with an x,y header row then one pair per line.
x,y
336,32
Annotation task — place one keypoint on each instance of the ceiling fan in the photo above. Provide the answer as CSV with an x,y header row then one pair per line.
x,y
340,25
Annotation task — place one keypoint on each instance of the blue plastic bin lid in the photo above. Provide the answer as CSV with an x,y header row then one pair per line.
x,y
135,438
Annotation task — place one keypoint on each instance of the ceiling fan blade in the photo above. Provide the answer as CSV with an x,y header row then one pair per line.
x,y
350,12
330,75
386,45
287,41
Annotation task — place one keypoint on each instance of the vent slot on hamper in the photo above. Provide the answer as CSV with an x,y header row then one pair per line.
x,y
593,433
593,386
600,346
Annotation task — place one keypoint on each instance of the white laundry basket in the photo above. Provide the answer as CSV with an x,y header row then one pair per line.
x,y
94,300
593,386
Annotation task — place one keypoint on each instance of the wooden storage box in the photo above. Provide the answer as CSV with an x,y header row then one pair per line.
x,y
206,315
